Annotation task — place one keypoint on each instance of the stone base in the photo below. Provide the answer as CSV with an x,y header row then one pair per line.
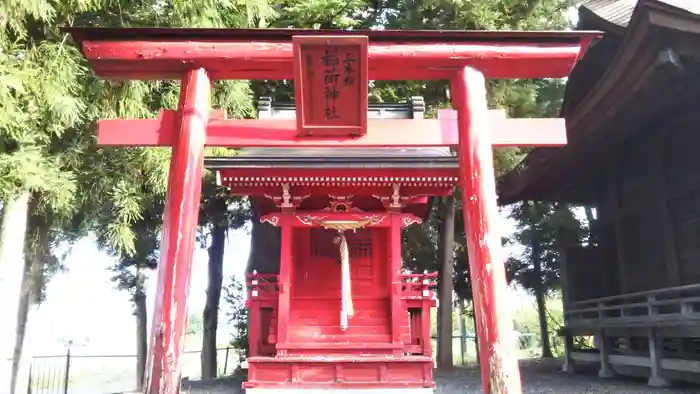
x,y
656,381
339,391
606,373
568,367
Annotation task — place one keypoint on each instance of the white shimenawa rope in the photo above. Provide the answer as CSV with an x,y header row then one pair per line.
x,y
346,308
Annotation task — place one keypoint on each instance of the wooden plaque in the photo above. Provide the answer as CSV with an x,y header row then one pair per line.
x,y
330,85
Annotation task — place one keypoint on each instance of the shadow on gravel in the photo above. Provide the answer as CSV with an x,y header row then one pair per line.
x,y
538,376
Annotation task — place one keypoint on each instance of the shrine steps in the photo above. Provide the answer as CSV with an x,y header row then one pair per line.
x,y
335,334
318,320
309,307
341,374
340,391
339,349
364,317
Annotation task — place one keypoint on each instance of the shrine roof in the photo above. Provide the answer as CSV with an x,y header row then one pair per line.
x,y
430,157
332,159
285,35
636,76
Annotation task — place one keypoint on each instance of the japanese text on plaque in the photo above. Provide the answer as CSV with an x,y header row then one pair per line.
x,y
333,74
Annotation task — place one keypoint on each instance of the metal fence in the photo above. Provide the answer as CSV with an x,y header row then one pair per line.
x,y
103,374
464,351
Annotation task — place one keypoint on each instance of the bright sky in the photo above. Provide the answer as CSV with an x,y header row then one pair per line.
x,y
83,305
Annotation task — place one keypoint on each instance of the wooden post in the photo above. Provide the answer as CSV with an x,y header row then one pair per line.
x,y
656,378
285,279
254,328
656,350
179,231
617,223
604,348
395,263
668,238
499,362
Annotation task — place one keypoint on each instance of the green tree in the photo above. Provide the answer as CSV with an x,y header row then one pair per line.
x,y
38,85
48,106
219,213
238,315
131,274
537,268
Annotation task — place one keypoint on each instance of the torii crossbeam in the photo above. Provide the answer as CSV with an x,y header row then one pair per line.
x,y
331,70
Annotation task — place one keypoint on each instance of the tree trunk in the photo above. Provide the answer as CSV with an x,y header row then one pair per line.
x,y
22,362
544,329
264,244
539,285
445,358
211,309
141,336
12,267
22,356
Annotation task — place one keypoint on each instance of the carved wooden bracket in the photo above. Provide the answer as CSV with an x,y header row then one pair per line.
x,y
339,219
286,201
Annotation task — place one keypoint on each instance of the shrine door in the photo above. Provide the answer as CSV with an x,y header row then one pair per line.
x,y
316,290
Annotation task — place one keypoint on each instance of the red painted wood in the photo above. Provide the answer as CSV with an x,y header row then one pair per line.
x,y
381,132
498,360
417,193
180,224
340,371
330,85
263,296
255,328
159,59
395,263
317,272
315,304
285,278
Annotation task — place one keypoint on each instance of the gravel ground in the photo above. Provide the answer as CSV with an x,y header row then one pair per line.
x,y
544,378
538,378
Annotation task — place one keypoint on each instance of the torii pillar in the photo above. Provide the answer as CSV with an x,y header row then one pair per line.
x,y
494,324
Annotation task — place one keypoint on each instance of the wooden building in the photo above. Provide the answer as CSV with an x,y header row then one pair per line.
x,y
632,107
330,308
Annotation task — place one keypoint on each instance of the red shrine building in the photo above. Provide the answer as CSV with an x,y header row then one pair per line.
x,y
350,317
340,179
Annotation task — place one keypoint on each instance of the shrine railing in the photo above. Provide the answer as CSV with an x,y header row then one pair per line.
x,y
418,286
418,295
648,308
262,286
263,295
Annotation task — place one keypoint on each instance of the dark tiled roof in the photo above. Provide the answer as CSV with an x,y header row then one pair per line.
x,y
618,12
285,35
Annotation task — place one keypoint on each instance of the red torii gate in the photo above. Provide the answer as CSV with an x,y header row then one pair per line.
x,y
199,56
